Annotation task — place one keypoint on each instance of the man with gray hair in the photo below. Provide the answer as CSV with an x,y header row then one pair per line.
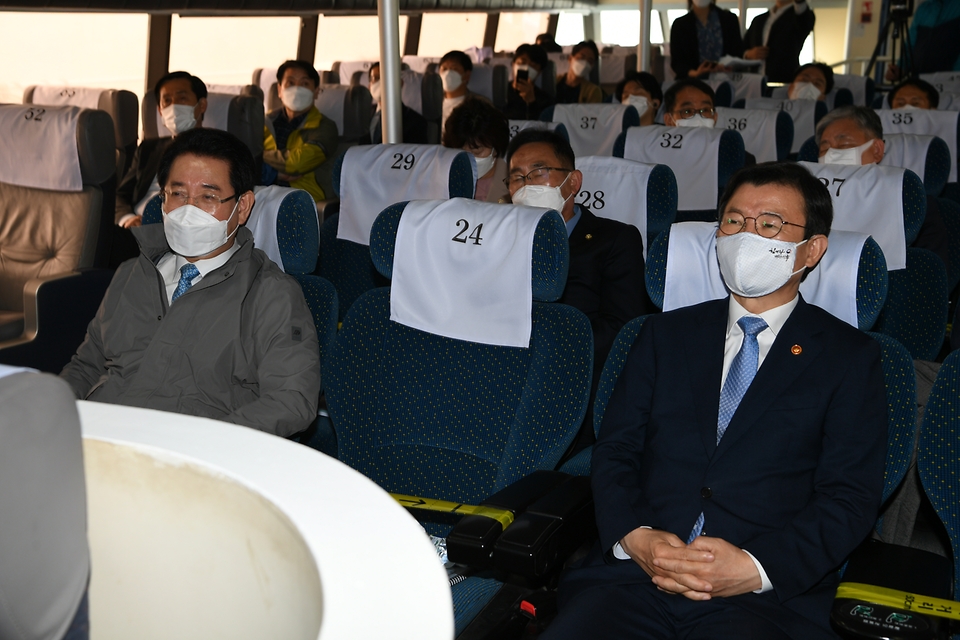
x,y
854,135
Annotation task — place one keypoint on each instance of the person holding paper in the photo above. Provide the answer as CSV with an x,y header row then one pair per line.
x,y
777,36
701,37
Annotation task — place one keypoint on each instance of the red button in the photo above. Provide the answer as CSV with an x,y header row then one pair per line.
x,y
528,608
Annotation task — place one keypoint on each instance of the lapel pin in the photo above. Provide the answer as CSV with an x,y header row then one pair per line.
x,y
796,349
589,236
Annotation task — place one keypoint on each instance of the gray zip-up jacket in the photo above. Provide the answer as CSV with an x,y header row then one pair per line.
x,y
240,346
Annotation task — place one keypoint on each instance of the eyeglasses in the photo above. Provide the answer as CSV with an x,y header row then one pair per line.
x,y
768,225
537,176
706,112
207,202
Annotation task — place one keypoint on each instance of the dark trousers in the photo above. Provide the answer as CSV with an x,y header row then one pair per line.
x,y
80,627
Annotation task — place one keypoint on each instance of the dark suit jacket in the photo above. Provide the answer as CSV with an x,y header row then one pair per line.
x,y
143,170
685,46
517,109
786,40
606,278
414,128
796,479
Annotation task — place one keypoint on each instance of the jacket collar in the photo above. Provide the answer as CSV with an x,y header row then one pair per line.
x,y
153,243
587,226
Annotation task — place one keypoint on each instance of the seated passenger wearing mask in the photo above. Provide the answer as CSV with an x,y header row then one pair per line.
x,y
525,100
478,127
297,138
641,91
574,86
414,124
202,323
854,135
741,455
913,94
606,276
689,103
181,101
812,81
454,70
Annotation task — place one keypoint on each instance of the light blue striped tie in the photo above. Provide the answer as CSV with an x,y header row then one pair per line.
x,y
187,273
742,371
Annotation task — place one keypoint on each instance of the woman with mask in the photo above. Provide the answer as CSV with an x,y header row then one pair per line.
x,y
297,138
701,37
525,100
812,81
478,127
641,91
573,86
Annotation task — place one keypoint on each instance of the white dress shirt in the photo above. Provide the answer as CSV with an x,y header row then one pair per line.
x,y
169,268
775,319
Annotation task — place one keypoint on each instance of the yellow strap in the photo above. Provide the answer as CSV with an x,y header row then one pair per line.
x,y
502,516
900,599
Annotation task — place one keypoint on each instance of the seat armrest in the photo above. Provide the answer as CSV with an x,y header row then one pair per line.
x,y
541,538
56,312
326,208
472,540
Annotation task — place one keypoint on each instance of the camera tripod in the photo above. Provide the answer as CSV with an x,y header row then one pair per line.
x,y
896,23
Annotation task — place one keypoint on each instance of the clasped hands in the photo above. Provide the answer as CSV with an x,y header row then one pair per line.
x,y
706,568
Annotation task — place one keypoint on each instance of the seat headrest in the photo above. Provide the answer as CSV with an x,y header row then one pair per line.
x,y
550,250
81,139
122,105
285,226
927,156
593,128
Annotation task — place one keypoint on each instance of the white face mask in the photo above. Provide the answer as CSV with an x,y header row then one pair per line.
x,y
697,121
581,68
375,91
754,266
296,98
192,232
906,107
804,91
702,3
451,80
178,117
541,195
485,164
532,73
852,156
640,103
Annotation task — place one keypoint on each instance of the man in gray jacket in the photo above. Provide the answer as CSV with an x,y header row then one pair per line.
x,y
202,323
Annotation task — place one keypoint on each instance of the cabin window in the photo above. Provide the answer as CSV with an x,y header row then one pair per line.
x,y
443,32
349,39
517,27
623,27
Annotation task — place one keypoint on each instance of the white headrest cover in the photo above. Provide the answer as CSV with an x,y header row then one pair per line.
x,y
347,69
593,128
757,127
410,91
693,274
84,97
869,200
803,113
746,86
263,219
375,176
856,84
39,148
906,151
516,126
928,122
615,188
462,269
692,153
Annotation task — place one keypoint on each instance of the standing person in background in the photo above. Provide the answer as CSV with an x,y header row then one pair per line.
x,y
455,69
933,34
642,91
701,37
478,127
297,138
777,37
573,86
525,100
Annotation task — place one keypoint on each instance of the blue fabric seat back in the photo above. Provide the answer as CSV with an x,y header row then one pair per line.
x,y
871,278
427,415
730,159
347,264
916,309
901,383
784,135
938,454
950,213
661,200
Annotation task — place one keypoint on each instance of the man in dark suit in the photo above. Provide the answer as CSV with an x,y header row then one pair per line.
x,y
777,36
606,276
414,124
741,455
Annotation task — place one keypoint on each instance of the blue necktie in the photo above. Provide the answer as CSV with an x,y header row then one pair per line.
x,y
187,273
742,371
